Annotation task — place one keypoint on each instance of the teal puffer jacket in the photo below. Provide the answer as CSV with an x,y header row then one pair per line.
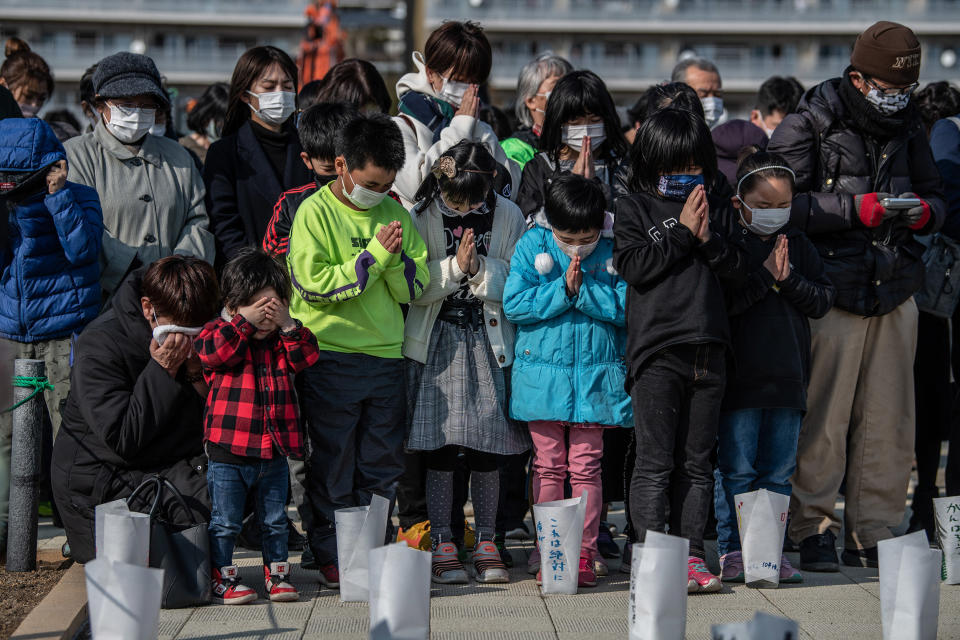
x,y
569,363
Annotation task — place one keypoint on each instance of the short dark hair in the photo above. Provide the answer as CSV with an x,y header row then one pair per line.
x,y
210,106
308,95
319,126
371,137
461,47
62,115
778,168
183,288
673,95
671,140
936,101
249,272
575,95
574,203
497,119
356,82
777,94
85,91
467,185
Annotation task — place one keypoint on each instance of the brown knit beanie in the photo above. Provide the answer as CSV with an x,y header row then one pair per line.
x,y
889,52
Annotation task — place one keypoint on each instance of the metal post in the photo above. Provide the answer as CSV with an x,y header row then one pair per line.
x,y
25,471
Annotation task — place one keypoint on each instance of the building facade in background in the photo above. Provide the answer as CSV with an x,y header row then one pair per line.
x,y
193,42
633,44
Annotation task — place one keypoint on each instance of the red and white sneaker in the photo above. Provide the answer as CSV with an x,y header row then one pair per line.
x,y
329,575
227,588
275,577
699,578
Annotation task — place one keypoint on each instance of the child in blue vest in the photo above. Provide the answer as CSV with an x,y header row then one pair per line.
x,y
568,373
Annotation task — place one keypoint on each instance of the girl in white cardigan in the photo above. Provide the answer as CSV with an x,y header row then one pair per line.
x,y
459,346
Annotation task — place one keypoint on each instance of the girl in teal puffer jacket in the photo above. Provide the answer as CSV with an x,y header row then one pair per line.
x,y
568,374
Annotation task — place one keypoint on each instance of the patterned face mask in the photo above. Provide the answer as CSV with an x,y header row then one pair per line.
x,y
679,186
887,104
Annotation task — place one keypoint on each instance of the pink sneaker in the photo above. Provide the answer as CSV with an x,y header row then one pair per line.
x,y
699,578
789,575
586,577
731,567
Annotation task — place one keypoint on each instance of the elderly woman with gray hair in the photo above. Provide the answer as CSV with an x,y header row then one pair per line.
x,y
533,88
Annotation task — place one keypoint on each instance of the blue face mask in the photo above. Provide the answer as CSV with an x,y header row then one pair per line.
x,y
679,186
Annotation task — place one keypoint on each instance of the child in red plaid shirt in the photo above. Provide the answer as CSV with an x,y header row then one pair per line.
x,y
251,421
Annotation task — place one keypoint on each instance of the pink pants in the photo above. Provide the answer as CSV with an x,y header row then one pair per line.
x,y
552,460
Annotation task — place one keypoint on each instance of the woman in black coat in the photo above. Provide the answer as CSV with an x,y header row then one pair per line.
x,y
135,406
258,157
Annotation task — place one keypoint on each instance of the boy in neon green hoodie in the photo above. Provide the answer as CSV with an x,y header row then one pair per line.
x,y
355,257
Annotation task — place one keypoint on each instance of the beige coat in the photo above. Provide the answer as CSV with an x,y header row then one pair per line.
x,y
152,201
445,278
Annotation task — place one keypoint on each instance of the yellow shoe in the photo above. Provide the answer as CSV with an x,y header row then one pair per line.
x,y
417,536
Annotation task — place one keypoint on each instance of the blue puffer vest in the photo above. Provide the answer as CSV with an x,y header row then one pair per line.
x,y
50,287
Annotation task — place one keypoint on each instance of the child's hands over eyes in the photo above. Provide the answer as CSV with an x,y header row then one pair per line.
x,y
391,237
470,105
584,165
278,312
574,277
467,258
255,313
694,210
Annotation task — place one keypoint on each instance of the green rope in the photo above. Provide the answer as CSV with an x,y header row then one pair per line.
x,y
39,385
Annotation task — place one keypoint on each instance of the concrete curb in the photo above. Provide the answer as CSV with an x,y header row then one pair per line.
x,y
61,613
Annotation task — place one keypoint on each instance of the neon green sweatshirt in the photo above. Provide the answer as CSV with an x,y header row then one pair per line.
x,y
347,288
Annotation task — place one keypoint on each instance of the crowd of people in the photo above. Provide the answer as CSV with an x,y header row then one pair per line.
x,y
312,299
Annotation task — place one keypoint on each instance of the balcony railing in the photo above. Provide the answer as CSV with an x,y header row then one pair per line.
x,y
683,10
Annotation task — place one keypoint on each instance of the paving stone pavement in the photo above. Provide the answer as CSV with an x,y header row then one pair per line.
x,y
842,606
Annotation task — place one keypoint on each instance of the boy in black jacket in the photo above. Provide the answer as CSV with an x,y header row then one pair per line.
x,y
767,397
672,246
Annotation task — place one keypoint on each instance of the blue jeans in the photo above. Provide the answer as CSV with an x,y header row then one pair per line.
x,y
229,485
758,450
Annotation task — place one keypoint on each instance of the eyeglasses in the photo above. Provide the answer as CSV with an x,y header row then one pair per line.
x,y
891,91
545,95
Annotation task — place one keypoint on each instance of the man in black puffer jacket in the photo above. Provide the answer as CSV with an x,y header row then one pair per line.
x,y
856,140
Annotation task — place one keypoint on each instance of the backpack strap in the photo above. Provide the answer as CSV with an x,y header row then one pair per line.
x,y
426,110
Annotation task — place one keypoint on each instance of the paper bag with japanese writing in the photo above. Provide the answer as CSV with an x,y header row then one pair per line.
x,y
762,516
559,526
947,511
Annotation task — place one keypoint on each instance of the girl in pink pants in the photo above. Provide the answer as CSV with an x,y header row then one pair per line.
x,y
567,303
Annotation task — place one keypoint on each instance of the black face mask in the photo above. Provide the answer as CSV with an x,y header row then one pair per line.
x,y
324,179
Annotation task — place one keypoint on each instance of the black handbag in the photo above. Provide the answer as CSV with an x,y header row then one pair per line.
x,y
182,551
940,292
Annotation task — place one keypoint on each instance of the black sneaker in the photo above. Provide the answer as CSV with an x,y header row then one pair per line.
x,y
605,544
866,558
505,554
308,560
295,539
819,553
789,546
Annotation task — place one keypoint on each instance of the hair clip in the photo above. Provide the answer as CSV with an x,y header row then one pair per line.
x,y
444,166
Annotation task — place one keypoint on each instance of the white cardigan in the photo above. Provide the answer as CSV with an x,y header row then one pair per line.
x,y
446,276
421,151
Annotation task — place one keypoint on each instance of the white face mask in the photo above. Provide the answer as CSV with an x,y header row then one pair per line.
x,y
712,109
887,105
574,250
29,110
453,92
572,135
765,222
361,197
276,106
447,210
129,125
158,130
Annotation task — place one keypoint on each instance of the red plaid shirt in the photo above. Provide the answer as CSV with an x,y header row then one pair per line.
x,y
252,407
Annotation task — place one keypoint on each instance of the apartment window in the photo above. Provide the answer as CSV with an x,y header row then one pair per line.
x,y
85,39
